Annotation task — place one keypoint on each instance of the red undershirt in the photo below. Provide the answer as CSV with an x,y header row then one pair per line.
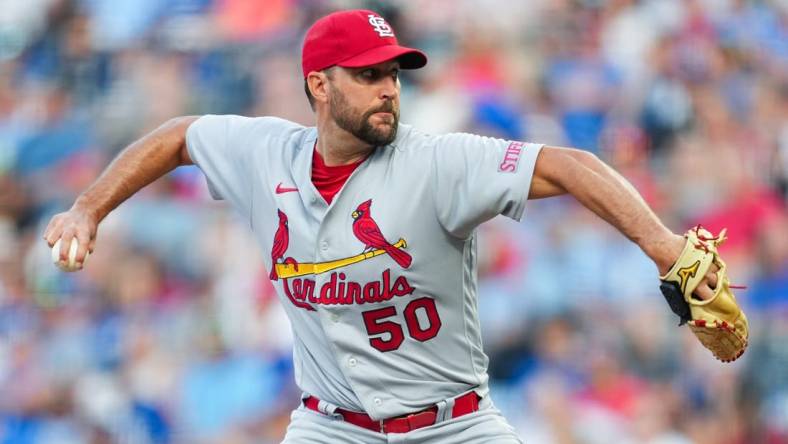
x,y
329,179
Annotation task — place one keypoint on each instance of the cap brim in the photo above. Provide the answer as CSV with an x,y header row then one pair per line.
x,y
409,58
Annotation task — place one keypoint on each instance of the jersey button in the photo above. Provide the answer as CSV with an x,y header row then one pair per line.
x,y
352,362
334,317
377,401
324,245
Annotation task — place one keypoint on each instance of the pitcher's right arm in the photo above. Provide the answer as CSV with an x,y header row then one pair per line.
x,y
139,164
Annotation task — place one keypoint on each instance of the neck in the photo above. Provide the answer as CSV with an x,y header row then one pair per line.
x,y
337,146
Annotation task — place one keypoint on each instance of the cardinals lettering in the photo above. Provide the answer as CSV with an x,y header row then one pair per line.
x,y
337,289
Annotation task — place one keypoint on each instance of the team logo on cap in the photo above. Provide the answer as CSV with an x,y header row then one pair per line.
x,y
380,26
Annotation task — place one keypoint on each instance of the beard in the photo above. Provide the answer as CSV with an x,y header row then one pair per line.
x,y
358,124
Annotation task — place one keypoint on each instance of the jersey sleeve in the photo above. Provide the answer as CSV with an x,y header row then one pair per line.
x,y
477,178
221,146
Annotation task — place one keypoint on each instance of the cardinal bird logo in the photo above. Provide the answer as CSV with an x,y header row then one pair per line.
x,y
367,231
281,242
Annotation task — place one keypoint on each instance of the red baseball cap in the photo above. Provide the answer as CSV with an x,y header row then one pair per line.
x,y
353,39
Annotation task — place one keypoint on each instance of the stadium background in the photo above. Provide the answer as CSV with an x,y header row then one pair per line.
x,y
172,335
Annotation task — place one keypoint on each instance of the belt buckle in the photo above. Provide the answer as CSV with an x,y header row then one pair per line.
x,y
382,427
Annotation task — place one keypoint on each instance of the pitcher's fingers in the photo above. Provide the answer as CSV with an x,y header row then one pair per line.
x,y
92,245
53,231
703,292
711,279
65,243
83,237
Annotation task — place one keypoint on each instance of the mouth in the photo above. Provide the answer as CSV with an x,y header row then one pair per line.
x,y
384,116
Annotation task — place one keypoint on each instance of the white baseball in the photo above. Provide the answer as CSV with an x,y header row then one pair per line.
x,y
71,265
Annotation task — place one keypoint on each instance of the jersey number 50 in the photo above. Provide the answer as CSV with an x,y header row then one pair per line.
x,y
376,325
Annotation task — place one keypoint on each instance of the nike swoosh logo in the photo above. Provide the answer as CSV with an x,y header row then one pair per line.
x,y
280,189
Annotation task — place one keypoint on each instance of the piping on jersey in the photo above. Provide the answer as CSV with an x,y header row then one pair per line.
x,y
289,270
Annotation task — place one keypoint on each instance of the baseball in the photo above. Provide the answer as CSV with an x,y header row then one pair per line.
x,y
71,265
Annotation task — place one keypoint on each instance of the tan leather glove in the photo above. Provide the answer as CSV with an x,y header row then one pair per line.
x,y
719,323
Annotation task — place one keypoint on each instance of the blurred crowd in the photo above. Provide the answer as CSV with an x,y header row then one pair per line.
x,y
172,333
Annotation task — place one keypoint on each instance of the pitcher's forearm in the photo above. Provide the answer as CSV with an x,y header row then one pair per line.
x,y
612,197
139,164
602,190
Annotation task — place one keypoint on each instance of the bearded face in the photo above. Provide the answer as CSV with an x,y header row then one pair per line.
x,y
358,122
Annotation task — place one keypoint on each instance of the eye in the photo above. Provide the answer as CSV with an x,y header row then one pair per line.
x,y
369,74
395,74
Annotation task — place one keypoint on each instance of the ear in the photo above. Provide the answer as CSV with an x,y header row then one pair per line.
x,y
318,86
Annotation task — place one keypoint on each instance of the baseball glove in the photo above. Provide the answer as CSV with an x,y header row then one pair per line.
x,y
718,323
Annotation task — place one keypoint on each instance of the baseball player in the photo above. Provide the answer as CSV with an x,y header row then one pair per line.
x,y
367,226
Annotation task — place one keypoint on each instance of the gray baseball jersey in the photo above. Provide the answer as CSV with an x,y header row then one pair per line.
x,y
380,285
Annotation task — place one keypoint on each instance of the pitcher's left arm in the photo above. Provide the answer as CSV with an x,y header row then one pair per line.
x,y
693,275
609,195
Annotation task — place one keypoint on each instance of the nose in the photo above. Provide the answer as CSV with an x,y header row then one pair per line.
x,y
389,89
